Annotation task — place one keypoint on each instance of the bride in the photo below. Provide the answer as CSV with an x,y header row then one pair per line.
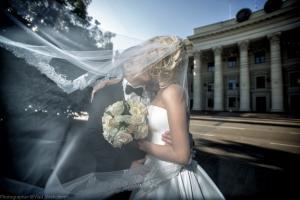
x,y
168,111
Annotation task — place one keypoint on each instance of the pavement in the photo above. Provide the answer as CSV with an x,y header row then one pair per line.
x,y
276,119
249,155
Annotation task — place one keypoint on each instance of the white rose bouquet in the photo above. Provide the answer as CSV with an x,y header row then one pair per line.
x,y
124,121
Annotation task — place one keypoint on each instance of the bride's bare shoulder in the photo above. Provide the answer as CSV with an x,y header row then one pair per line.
x,y
173,92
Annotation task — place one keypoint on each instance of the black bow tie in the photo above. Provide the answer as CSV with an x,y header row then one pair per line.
x,y
138,91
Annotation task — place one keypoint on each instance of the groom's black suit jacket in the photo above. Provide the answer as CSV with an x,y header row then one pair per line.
x,y
109,158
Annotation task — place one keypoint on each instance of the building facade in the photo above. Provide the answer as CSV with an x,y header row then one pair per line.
x,y
249,66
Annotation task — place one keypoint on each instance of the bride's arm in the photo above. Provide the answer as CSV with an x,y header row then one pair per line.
x,y
179,151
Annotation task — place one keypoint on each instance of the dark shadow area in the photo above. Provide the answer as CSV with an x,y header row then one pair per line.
x,y
34,120
260,173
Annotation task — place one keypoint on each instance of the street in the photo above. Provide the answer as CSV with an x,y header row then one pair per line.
x,y
248,160
273,137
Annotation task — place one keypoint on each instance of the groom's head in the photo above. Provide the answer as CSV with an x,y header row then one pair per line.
x,y
133,66
135,77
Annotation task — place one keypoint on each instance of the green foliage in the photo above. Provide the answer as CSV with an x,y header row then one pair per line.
x,y
68,17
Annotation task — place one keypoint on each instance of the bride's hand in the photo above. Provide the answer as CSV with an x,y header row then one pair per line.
x,y
137,163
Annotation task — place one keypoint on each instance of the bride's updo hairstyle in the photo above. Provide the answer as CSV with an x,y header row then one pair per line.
x,y
166,70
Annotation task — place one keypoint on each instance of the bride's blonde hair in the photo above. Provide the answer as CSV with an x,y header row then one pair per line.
x,y
166,70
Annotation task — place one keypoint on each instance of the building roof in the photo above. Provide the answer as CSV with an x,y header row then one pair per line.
x,y
287,17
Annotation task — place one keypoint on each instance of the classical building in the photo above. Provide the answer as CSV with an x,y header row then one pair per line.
x,y
250,63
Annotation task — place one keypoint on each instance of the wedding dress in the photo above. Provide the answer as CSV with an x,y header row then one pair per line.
x,y
188,182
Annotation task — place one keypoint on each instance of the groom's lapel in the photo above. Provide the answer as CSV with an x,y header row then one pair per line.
x,y
118,91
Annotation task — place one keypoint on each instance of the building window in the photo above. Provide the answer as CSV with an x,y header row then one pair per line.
x,y
232,62
210,66
210,87
260,82
294,103
295,79
232,84
260,57
210,102
293,51
232,102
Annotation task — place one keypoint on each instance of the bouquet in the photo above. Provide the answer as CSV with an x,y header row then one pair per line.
x,y
124,121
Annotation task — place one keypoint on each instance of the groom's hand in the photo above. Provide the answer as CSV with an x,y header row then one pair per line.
x,y
143,145
167,138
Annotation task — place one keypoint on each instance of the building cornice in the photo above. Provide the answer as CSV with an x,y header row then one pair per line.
x,y
211,32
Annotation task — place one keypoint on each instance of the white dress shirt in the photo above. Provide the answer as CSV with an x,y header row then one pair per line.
x,y
144,98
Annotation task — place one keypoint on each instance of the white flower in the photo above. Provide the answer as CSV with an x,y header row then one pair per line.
x,y
121,139
142,132
137,108
108,122
123,118
116,108
137,120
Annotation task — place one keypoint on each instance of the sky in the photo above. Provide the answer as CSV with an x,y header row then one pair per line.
x,y
137,20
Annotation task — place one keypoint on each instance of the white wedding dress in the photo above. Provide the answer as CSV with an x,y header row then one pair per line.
x,y
169,180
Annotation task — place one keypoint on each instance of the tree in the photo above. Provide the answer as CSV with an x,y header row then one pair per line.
x,y
68,17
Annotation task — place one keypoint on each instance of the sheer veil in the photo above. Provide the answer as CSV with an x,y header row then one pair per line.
x,y
73,66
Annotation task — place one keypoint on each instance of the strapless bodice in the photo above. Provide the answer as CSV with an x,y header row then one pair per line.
x,y
158,124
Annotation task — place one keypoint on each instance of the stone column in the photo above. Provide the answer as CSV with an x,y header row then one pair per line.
x,y
276,73
244,77
218,80
197,82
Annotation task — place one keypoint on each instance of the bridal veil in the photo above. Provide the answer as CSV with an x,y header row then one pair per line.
x,y
72,66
